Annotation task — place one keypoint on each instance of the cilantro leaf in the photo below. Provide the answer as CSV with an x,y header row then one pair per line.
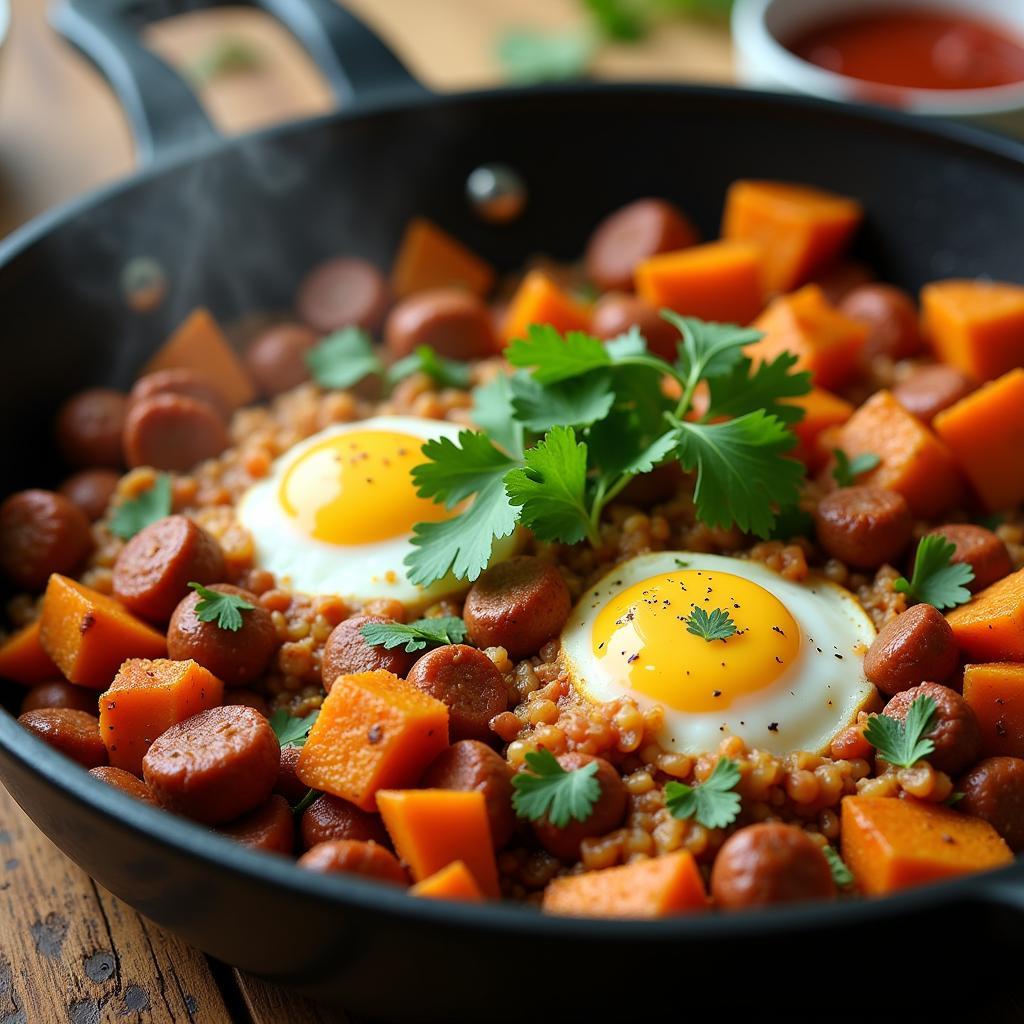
x,y
528,56
416,636
617,445
447,373
623,346
841,874
548,790
709,349
224,609
290,730
746,388
792,521
571,403
554,357
741,471
455,470
846,470
717,625
904,743
624,20
137,513
344,358
937,580
712,803
492,412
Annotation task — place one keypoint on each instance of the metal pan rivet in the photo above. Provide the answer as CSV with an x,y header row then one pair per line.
x,y
496,193
143,284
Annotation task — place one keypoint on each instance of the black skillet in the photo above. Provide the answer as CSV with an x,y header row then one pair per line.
x,y
233,225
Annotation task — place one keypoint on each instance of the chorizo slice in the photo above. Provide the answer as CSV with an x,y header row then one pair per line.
x,y
979,548
343,292
76,734
930,389
994,790
270,828
453,322
288,783
329,817
915,647
124,781
891,316
60,694
89,427
276,358
956,734
181,380
347,651
864,527
91,490
616,313
41,533
173,432
354,857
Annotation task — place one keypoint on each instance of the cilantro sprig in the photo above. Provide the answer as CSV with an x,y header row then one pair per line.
x,y
290,730
137,513
547,790
716,625
224,609
937,579
846,470
713,803
904,743
841,874
415,636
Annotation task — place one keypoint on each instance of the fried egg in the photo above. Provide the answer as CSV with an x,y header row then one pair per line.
x,y
789,677
336,512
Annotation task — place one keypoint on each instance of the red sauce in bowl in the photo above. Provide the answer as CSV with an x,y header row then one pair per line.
x,y
915,49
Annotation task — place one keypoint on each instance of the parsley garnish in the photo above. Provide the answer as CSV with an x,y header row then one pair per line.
x,y
548,790
415,635
344,358
448,373
713,803
224,609
904,743
937,580
841,874
290,730
137,513
716,626
846,470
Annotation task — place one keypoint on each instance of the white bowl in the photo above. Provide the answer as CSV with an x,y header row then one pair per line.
x,y
764,62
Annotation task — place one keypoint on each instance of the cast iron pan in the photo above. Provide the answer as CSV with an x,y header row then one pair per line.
x,y
233,225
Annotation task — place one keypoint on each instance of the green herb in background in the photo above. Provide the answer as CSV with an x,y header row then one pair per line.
x,y
846,470
136,513
529,56
841,874
290,730
228,55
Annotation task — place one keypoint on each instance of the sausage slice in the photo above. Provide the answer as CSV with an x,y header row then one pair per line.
x,y
89,427
76,734
91,490
181,380
930,389
276,359
891,315
453,322
864,527
979,548
955,734
346,651
343,292
329,817
270,828
617,312
173,432
994,790
124,781
914,647
60,694
354,857
41,533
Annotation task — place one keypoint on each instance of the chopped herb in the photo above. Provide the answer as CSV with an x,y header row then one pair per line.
x,y
547,790
841,874
290,730
954,798
415,636
224,609
344,358
717,625
228,55
310,796
904,743
447,373
527,56
713,803
846,470
135,514
937,579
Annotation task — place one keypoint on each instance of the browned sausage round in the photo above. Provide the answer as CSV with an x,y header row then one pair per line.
x,y
890,314
915,647
469,765
994,790
956,735
181,380
91,490
276,359
616,312
288,783
124,781
849,744
629,235
979,548
60,694
347,651
354,857
838,280
89,427
864,527
930,389
75,734
215,766
154,569
270,828
173,432
329,817
468,682
237,657
606,814
453,322
343,292
770,863
41,533
519,605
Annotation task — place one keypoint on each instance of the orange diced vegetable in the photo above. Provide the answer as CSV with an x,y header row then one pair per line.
x,y
914,462
430,258
538,300
716,281
374,731
88,634
995,693
977,326
658,887
985,433
433,827
145,699
822,410
990,627
199,344
800,230
455,882
892,844
825,341
23,660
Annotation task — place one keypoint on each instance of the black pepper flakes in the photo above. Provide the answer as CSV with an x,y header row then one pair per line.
x,y
375,735
773,726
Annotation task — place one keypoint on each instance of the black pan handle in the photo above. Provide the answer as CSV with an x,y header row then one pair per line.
x,y
162,110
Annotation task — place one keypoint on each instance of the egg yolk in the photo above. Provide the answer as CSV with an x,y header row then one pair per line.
x,y
641,638
357,488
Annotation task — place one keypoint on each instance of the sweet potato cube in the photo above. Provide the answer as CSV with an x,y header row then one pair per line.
x,y
659,887
977,326
433,827
995,693
148,697
430,258
891,844
455,882
985,433
539,300
374,731
23,660
822,411
990,627
716,281
199,344
800,230
914,462
825,341
88,634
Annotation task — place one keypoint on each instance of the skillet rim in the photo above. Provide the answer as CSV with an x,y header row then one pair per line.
x,y
187,839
